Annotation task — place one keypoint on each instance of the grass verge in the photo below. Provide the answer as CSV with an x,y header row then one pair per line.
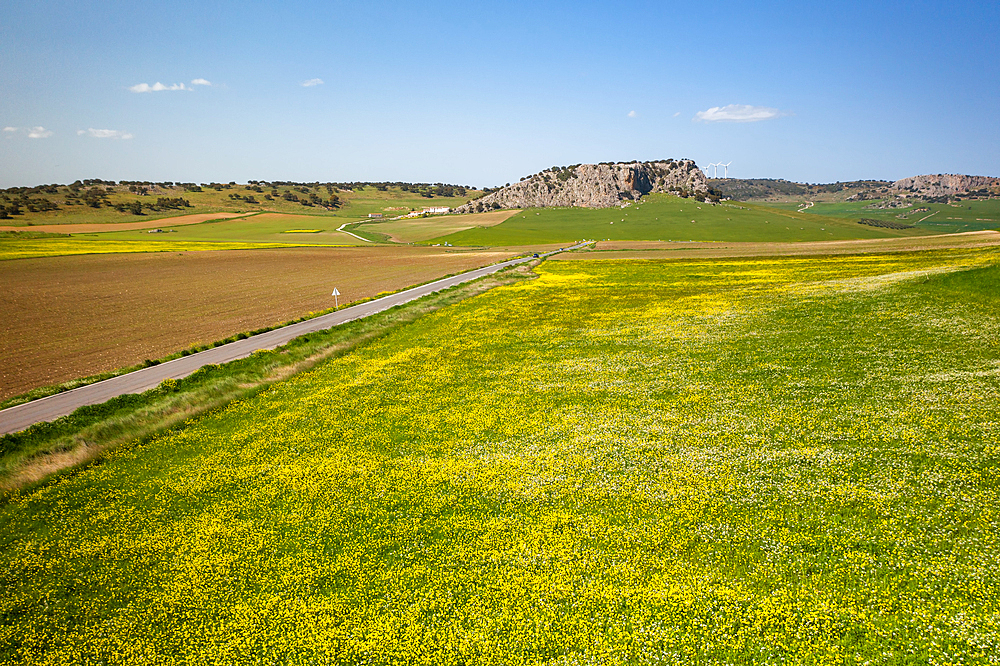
x,y
33,456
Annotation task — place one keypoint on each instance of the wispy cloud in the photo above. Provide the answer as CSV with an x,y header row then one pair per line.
x,y
312,82
201,82
37,132
738,113
104,133
677,114
632,114
156,87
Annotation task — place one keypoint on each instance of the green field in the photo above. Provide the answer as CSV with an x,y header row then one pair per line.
x,y
777,460
665,217
975,215
263,228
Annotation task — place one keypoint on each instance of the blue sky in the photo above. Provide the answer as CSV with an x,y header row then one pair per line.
x,y
482,93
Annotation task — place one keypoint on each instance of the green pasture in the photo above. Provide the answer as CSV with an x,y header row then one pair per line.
x,y
746,461
666,217
249,229
975,215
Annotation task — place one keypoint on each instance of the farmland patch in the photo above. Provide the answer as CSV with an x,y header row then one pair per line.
x,y
68,317
619,462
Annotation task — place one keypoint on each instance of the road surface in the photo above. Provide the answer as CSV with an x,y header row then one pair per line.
x,y
19,417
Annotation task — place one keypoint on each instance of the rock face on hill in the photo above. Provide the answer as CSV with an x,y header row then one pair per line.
x,y
947,184
594,185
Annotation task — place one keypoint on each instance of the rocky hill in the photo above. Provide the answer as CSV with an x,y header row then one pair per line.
x,y
947,184
595,185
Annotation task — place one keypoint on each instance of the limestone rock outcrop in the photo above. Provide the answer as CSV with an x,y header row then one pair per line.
x,y
947,184
594,185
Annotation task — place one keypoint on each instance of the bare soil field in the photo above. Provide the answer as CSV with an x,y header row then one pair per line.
x,y
68,228
417,229
67,317
685,249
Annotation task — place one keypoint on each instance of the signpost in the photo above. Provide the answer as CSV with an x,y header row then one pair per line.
x,y
335,294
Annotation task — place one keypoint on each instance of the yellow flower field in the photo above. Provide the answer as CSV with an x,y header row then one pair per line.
x,y
767,461
24,248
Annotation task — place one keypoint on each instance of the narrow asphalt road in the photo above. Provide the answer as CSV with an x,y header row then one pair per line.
x,y
19,417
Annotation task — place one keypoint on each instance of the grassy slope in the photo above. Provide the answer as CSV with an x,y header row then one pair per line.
x,y
665,217
414,230
264,228
355,205
765,461
946,218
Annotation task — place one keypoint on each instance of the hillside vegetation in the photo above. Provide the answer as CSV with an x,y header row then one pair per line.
x,y
777,189
99,201
731,461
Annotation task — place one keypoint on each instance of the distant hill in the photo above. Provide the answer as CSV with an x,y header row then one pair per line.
x,y
935,187
771,189
595,185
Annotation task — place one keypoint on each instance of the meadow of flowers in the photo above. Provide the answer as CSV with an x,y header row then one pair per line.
x,y
741,461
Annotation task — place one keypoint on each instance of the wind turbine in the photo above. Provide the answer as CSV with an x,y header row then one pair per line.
x,y
724,166
711,165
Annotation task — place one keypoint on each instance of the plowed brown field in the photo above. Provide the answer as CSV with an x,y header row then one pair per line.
x,y
67,317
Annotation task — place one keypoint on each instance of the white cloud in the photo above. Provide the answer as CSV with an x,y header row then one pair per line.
x,y
157,87
37,132
104,133
738,113
312,82
677,114
201,82
632,114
